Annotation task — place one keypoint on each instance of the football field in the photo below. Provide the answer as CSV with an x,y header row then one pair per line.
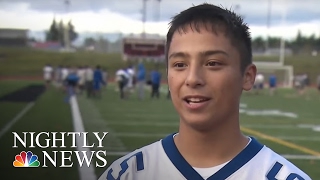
x,y
286,122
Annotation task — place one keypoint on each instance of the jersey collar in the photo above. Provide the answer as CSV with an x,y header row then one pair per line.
x,y
189,173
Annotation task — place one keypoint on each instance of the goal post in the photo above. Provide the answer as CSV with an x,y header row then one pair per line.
x,y
284,73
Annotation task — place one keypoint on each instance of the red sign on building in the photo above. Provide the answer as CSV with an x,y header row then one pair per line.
x,y
143,48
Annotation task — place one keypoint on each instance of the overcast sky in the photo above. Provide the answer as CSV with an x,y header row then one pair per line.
x,y
125,15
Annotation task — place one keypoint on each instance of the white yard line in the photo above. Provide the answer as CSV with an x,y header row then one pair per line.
x,y
85,173
299,138
270,126
16,118
302,157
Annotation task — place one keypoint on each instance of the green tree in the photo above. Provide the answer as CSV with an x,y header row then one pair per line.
x,y
57,32
258,43
89,42
274,42
72,33
61,32
53,33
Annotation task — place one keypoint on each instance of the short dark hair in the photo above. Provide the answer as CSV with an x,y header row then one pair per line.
x,y
218,19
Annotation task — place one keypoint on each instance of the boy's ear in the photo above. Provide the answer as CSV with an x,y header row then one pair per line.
x,y
249,77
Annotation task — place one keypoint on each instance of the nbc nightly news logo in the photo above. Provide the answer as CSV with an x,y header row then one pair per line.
x,y
78,141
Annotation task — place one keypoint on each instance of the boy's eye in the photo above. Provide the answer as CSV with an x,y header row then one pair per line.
x,y
179,65
213,63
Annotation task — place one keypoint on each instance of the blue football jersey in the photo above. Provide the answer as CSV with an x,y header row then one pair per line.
x,y
162,161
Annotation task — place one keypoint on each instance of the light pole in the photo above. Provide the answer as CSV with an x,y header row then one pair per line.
x,y
66,27
282,42
157,11
144,17
268,25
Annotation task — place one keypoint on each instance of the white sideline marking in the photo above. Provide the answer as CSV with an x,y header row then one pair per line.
x,y
16,118
287,156
85,173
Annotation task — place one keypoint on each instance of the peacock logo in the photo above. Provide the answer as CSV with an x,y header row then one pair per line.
x,y
26,160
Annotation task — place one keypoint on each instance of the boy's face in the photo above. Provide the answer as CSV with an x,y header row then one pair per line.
x,y
204,78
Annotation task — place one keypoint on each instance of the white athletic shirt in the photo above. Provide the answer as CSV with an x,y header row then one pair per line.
x,y
259,79
47,72
162,161
130,73
81,74
89,74
65,73
207,172
120,73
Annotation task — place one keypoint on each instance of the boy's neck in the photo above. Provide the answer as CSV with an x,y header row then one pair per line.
x,y
210,148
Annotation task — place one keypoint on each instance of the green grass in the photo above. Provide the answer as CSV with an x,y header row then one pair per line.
x,y
9,86
49,114
127,120
10,109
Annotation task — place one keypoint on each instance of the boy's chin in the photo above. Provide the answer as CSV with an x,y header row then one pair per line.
x,y
199,124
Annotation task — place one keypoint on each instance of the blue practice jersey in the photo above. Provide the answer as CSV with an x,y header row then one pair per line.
x,y
162,161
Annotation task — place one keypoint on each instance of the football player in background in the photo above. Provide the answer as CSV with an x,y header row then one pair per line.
x,y
272,84
97,81
131,75
89,81
258,84
209,65
47,75
81,72
122,78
